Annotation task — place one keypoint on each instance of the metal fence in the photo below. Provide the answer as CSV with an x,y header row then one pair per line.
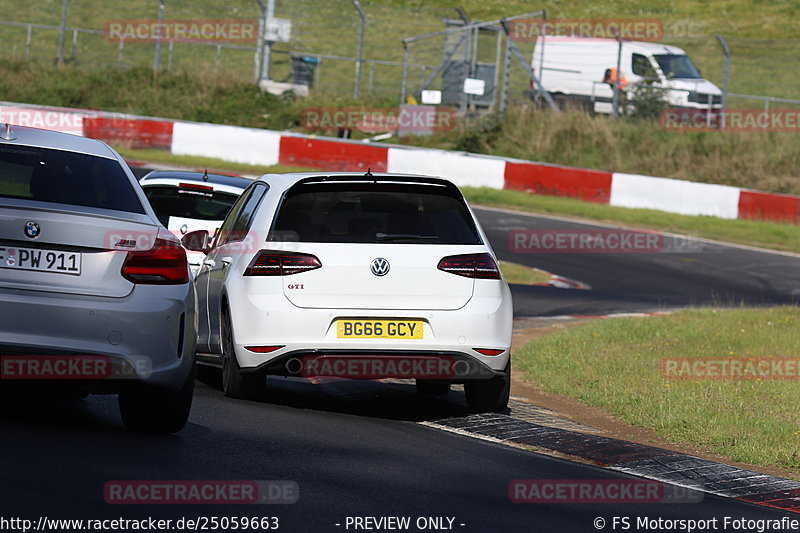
x,y
325,30
326,33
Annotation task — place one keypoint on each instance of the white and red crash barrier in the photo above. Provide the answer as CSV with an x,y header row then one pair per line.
x,y
265,147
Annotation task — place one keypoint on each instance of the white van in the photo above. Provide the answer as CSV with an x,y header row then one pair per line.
x,y
572,70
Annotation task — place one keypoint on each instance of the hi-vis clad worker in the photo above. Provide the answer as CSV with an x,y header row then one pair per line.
x,y
610,78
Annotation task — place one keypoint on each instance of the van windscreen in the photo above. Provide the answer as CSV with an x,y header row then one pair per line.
x,y
677,66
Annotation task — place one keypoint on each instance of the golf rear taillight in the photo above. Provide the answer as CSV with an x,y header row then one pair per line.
x,y
488,351
479,266
263,349
267,263
163,264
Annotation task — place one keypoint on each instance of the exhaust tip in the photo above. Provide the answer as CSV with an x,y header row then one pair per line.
x,y
294,366
461,368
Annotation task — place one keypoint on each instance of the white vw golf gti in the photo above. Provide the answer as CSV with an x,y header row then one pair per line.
x,y
354,276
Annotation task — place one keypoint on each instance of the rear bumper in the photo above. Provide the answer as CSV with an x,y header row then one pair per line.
x,y
264,320
455,367
152,330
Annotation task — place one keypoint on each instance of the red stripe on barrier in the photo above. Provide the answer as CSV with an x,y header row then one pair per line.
x,y
584,184
755,205
133,133
332,155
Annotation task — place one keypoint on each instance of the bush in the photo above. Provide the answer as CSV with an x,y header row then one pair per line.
x,y
648,101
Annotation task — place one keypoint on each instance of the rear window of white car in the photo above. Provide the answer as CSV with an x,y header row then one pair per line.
x,y
169,202
64,177
374,213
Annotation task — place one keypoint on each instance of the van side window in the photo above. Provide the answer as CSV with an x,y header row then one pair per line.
x,y
642,67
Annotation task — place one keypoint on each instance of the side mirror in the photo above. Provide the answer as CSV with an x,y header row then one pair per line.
x,y
196,241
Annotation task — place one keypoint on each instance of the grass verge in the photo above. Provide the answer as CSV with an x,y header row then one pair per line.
x,y
523,275
785,237
200,163
616,364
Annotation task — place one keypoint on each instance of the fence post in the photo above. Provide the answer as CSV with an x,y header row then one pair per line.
x,y
727,58
260,39
269,14
74,44
121,47
318,73
372,77
498,55
157,56
615,104
506,73
405,73
361,23
28,42
62,33
463,103
541,51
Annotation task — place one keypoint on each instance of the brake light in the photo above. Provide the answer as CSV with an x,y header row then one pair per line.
x,y
479,266
196,186
268,263
163,264
263,349
488,351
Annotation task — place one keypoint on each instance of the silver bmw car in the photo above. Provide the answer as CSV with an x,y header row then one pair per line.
x,y
95,294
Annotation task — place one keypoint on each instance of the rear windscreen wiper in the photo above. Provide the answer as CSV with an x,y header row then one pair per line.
x,y
402,236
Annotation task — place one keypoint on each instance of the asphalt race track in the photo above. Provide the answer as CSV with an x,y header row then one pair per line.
x,y
356,448
686,273
353,448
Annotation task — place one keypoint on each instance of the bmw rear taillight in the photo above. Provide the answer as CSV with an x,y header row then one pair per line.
x,y
268,263
479,266
163,264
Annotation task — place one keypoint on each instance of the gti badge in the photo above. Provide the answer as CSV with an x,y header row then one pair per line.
x,y
32,229
379,266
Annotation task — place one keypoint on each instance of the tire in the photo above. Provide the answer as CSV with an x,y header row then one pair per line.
x,y
489,395
235,383
433,388
155,410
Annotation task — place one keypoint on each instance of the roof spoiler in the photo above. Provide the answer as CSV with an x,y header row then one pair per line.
x,y
371,178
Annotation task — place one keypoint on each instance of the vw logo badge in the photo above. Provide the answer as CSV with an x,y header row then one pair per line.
x,y
32,229
379,266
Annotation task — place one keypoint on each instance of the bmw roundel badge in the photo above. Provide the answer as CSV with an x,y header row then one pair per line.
x,y
32,229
